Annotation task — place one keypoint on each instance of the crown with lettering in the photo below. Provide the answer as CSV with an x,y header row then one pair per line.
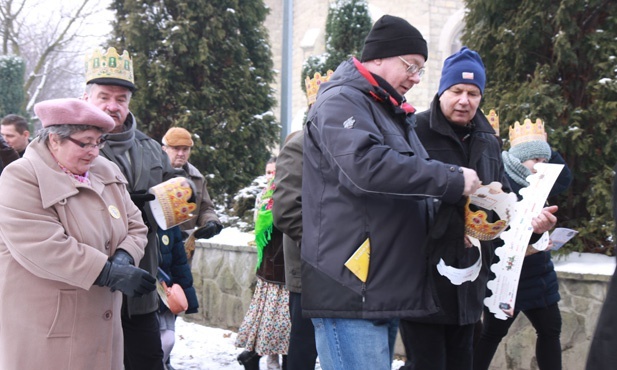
x,y
528,131
312,85
110,68
493,119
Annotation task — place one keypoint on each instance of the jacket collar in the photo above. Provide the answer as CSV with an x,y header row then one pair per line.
x,y
382,91
54,184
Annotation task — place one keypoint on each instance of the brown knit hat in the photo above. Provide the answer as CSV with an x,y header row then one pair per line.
x,y
177,136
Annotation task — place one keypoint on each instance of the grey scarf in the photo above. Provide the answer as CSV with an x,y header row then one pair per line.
x,y
515,169
120,145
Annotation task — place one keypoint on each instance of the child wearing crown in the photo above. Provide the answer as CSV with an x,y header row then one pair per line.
x,y
538,290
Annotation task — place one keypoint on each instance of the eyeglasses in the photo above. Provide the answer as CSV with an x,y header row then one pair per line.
x,y
88,146
412,68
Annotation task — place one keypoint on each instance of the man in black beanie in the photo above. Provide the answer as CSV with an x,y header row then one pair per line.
x,y
366,183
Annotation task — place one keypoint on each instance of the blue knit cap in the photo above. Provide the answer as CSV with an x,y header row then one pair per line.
x,y
462,67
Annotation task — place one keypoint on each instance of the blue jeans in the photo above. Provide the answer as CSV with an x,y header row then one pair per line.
x,y
355,343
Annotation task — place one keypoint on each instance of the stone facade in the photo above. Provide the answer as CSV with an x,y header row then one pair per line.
x,y
439,21
225,278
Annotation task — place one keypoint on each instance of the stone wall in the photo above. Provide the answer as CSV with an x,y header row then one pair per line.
x,y
225,278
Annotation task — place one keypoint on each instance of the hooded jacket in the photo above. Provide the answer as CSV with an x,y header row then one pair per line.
x,y
366,176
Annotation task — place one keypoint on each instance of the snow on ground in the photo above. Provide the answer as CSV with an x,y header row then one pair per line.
x,y
203,348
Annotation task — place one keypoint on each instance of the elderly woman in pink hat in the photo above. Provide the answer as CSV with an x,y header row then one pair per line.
x,y
69,240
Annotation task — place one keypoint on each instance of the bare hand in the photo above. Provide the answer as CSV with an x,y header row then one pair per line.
x,y
545,220
472,182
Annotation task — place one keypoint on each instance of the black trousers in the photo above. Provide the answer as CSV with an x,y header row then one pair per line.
x,y
142,342
302,353
437,346
546,321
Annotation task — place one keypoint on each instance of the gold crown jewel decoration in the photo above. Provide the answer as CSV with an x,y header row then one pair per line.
x,y
171,206
528,131
110,65
493,119
312,85
489,197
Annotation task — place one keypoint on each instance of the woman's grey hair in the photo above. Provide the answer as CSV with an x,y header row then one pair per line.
x,y
64,131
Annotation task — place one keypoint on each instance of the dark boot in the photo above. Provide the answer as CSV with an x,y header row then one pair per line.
x,y
284,366
249,359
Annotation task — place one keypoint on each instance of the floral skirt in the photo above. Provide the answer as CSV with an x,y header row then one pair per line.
x,y
266,325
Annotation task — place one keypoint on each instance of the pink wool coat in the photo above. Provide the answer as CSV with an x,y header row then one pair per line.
x,y
55,236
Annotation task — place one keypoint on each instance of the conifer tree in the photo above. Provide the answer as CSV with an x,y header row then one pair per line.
x,y
347,25
12,94
204,65
555,60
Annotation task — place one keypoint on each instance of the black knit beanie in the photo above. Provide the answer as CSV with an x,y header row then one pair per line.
x,y
393,36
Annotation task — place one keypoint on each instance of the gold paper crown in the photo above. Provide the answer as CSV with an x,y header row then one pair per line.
x,y
110,68
478,227
312,85
493,119
528,131
172,206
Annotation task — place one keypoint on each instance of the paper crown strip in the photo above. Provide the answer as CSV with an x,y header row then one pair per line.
x,y
110,68
171,206
493,119
528,131
312,85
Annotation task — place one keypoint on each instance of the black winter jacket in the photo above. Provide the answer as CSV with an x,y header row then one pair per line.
x,y
480,150
365,175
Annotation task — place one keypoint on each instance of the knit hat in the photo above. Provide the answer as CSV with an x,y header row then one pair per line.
x,y
72,111
177,136
462,67
530,150
393,36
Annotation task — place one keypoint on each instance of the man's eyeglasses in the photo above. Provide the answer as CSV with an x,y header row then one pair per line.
x,y
412,68
88,146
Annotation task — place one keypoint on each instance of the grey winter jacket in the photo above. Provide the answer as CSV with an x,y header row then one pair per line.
x,y
365,175
149,166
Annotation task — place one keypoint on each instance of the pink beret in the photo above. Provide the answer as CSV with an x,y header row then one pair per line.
x,y
72,112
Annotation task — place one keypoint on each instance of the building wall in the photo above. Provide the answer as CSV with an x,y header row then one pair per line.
x,y
439,21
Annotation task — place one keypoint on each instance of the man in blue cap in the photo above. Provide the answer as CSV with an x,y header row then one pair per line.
x,y
453,130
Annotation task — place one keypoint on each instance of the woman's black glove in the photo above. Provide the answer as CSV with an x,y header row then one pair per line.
x,y
130,280
122,257
210,229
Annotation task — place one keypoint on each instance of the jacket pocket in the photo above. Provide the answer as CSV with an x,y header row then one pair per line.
x,y
66,310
